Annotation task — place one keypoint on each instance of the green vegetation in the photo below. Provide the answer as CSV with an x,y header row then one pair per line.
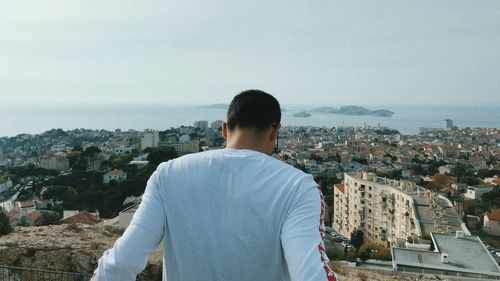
x,y
5,227
357,239
84,190
15,173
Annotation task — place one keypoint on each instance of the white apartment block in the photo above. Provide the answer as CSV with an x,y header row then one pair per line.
x,y
6,185
390,211
384,211
216,125
203,124
57,161
150,138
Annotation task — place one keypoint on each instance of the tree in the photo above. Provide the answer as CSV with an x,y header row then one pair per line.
x,y
461,170
5,227
357,238
159,155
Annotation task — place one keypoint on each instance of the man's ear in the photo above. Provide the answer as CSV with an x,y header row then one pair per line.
x,y
224,130
274,131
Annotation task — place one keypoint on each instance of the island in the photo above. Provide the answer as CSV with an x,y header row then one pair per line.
x,y
302,114
353,110
224,106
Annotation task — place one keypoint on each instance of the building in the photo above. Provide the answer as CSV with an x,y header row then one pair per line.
x,y
390,211
191,146
123,150
456,255
477,191
6,185
114,175
57,161
216,125
341,209
203,124
184,147
150,138
448,124
492,222
125,216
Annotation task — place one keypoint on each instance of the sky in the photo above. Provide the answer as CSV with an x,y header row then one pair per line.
x,y
202,52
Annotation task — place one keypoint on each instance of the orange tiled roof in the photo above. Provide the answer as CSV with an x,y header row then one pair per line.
x,y
115,172
12,213
340,187
35,216
494,215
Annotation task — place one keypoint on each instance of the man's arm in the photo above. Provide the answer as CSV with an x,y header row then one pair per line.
x,y
129,255
302,239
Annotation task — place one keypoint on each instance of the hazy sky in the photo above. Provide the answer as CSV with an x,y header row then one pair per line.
x,y
199,52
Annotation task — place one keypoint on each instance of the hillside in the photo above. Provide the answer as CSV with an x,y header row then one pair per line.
x,y
77,248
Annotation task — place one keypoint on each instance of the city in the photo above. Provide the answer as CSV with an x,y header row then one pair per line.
x,y
396,203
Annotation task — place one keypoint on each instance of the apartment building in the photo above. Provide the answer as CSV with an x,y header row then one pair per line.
x,y
150,138
390,211
54,161
381,208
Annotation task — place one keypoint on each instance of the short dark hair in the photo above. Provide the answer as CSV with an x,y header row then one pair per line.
x,y
253,109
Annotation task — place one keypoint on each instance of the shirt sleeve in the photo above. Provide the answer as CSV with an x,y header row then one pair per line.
x,y
302,239
129,255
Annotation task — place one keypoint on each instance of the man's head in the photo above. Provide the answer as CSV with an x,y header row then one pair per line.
x,y
253,109
257,115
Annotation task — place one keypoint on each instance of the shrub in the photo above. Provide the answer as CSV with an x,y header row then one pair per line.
x,y
74,227
5,227
114,229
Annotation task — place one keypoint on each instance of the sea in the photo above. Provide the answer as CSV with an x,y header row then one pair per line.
x,y
407,119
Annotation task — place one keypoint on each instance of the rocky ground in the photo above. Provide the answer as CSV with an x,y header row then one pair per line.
x,y
77,248
67,247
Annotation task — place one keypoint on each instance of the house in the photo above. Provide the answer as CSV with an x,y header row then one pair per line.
x,y
55,161
123,150
44,204
493,180
477,191
491,223
14,217
6,185
114,175
34,218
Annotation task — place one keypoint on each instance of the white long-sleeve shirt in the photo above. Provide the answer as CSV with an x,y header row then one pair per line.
x,y
225,215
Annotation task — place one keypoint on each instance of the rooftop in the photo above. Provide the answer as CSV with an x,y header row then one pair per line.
x,y
115,172
466,254
494,215
340,187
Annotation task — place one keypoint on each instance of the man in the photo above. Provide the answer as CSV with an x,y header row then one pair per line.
x,y
228,214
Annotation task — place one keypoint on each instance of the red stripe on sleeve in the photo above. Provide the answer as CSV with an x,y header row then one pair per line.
x,y
330,275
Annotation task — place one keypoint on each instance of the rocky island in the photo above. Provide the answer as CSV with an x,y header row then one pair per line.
x,y
302,114
353,110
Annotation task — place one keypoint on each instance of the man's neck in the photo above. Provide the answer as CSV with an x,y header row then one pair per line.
x,y
240,139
